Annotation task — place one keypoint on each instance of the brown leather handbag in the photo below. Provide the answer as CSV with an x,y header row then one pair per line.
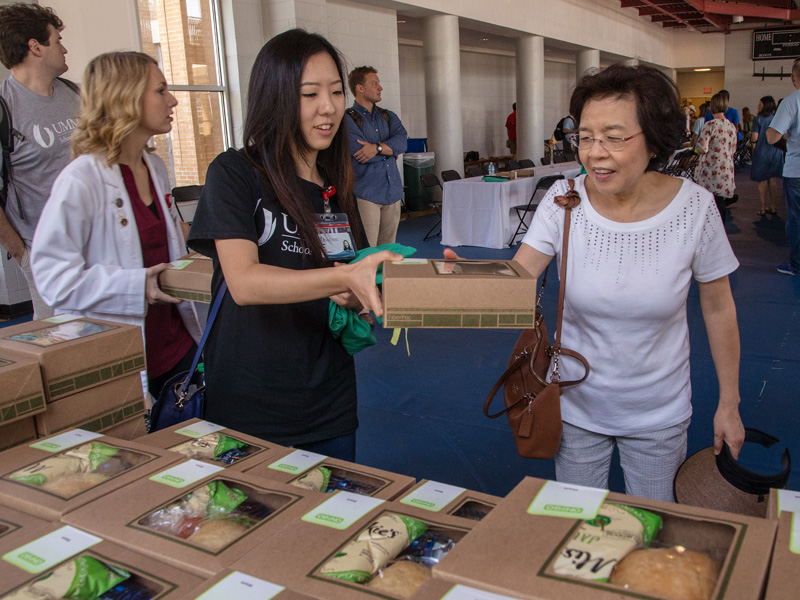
x,y
532,404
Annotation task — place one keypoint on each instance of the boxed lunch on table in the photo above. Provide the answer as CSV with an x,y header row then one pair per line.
x,y
64,562
76,353
458,294
55,475
194,515
533,546
215,444
320,473
353,546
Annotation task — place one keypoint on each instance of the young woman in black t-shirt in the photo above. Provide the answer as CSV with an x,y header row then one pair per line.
x,y
273,368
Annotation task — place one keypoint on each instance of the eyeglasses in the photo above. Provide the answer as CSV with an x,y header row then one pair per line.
x,y
612,143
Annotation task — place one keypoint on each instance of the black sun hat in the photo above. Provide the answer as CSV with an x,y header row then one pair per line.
x,y
721,483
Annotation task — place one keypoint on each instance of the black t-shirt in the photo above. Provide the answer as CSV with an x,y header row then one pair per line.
x,y
273,371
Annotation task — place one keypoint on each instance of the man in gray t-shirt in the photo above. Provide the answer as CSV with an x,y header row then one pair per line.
x,y
44,112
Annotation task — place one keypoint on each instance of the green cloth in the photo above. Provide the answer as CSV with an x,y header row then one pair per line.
x,y
495,178
352,331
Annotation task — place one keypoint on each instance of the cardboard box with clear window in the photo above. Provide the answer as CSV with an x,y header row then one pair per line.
x,y
100,567
513,552
50,478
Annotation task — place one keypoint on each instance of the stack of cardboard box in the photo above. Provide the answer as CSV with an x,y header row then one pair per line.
x,y
21,397
90,371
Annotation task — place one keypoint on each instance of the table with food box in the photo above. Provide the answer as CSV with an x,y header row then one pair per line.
x,y
480,213
92,507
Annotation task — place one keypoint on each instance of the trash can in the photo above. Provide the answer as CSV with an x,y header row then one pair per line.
x,y
415,164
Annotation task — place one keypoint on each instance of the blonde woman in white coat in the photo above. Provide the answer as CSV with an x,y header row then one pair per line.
x,y
110,227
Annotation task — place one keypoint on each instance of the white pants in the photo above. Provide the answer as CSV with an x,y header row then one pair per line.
x,y
40,309
649,460
380,221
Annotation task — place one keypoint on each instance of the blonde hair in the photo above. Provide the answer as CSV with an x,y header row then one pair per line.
x,y
111,103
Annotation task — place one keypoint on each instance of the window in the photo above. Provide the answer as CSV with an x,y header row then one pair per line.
x,y
184,37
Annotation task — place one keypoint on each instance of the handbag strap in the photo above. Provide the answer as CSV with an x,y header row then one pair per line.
x,y
212,314
568,201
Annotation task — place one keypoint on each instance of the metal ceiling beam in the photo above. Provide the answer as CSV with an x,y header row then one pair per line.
x,y
659,8
750,10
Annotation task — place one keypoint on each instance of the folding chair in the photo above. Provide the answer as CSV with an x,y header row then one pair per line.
x,y
513,165
475,171
526,163
523,209
430,181
185,193
450,175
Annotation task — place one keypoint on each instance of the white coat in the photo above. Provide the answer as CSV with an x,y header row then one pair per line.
x,y
86,255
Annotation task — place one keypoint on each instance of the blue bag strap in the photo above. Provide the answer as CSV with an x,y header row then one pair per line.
x,y
209,323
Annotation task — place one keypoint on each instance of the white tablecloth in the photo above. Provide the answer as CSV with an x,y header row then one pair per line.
x,y
480,213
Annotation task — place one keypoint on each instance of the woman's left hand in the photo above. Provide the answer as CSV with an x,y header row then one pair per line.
x,y
152,292
728,427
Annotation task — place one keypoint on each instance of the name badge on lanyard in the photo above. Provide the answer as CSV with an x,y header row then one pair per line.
x,y
334,231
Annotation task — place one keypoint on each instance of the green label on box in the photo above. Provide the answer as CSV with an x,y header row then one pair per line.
x,y
186,473
180,264
51,549
433,496
297,462
65,440
557,499
342,510
199,429
61,318
794,541
242,587
463,592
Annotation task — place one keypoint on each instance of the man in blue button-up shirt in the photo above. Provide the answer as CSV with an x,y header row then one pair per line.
x,y
376,138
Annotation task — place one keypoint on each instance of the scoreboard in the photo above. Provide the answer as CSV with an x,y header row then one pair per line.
x,y
776,43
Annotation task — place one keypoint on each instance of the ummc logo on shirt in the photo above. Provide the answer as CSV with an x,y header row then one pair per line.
x,y
290,243
45,136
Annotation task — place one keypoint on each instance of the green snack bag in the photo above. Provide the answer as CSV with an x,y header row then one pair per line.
x,y
381,542
226,443
316,479
214,499
84,578
600,543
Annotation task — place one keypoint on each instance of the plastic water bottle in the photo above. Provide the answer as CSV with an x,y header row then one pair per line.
x,y
491,169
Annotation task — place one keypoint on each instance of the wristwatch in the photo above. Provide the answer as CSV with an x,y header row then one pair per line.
x,y
380,148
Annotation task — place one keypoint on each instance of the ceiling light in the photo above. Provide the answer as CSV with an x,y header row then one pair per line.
x,y
704,69
484,39
399,21
738,18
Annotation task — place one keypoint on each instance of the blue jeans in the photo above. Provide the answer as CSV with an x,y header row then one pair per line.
x,y
342,447
791,191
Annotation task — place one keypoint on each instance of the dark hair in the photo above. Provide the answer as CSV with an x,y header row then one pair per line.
x,y
657,99
272,133
514,106
726,94
358,76
768,106
20,23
